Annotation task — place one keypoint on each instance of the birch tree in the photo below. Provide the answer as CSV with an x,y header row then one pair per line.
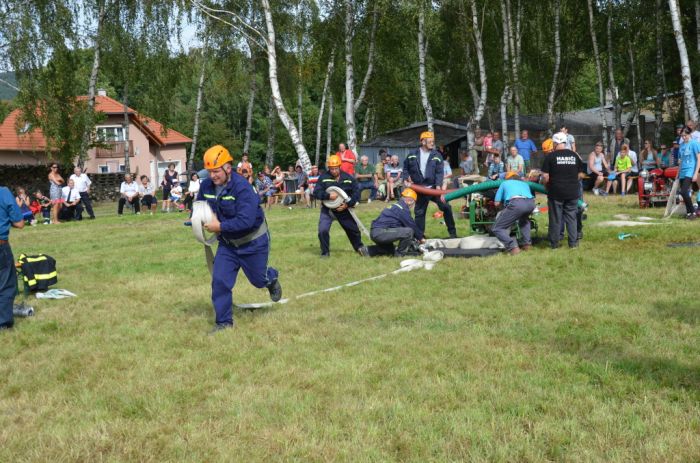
x,y
505,96
661,89
557,62
198,110
478,95
251,99
270,155
329,126
599,75
614,90
688,93
329,73
352,104
514,43
422,49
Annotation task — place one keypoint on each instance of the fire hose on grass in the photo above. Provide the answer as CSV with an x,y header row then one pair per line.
x,y
202,214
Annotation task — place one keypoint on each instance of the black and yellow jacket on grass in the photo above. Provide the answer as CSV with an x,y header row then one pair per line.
x,y
39,271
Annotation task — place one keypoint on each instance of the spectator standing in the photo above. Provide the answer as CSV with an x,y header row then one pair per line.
x,y
82,184
71,207
192,190
147,194
10,216
381,173
570,140
129,191
367,178
24,205
312,181
446,172
526,148
688,171
560,171
616,145
170,179
56,183
598,168
245,165
515,162
649,157
497,145
347,158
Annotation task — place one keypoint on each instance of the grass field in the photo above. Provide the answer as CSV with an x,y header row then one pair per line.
x,y
566,355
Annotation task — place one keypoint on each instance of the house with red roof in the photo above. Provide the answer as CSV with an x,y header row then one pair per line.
x,y
151,146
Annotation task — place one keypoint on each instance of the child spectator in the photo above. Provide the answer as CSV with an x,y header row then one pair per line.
x,y
175,195
42,204
24,204
496,169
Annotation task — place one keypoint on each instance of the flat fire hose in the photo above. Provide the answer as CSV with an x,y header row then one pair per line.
x,y
202,214
342,198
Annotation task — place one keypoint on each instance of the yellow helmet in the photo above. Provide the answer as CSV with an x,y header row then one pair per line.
x,y
512,174
409,193
333,161
426,134
548,145
216,156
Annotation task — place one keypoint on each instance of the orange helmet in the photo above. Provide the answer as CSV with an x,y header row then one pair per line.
x,y
548,145
512,174
409,193
216,156
427,134
333,161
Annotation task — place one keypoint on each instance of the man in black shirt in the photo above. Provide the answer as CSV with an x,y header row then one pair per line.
x,y
561,171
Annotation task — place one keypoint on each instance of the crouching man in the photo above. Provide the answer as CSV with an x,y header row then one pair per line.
x,y
396,224
519,203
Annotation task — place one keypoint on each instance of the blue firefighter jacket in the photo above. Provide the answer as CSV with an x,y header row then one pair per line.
x,y
237,206
395,216
346,182
434,169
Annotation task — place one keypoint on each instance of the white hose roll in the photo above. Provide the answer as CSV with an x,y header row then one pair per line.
x,y
341,199
202,214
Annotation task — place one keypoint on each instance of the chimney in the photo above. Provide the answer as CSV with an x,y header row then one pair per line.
x,y
101,92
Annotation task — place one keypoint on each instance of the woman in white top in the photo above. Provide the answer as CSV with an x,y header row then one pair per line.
x,y
146,191
598,168
192,190
649,157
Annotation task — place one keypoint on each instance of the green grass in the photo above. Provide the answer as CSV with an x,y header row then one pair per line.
x,y
567,355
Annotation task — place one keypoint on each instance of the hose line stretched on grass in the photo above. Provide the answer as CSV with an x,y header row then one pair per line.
x,y
490,185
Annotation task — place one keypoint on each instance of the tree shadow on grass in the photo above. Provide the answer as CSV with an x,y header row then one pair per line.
x,y
681,310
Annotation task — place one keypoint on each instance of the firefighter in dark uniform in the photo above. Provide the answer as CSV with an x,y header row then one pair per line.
x,y
424,166
244,241
335,177
396,224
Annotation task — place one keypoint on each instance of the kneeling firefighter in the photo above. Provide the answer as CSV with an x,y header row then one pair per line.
x,y
396,224
243,237
334,177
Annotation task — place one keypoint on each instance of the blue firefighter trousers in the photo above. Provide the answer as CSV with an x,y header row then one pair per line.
x,y
8,285
252,258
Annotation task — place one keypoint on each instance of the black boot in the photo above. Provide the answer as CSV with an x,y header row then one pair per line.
x,y
275,290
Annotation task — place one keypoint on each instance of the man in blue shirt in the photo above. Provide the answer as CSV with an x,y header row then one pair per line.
x,y
688,170
244,241
519,204
525,148
396,224
10,216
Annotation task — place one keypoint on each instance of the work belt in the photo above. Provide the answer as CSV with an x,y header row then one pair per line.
x,y
238,242
3,242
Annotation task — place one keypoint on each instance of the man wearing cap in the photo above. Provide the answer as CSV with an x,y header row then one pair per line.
x,y
561,170
519,203
10,216
396,224
424,167
334,177
244,241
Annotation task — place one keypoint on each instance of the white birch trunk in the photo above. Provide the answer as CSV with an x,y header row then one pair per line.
x,y
329,72
277,96
513,41
329,127
349,79
599,75
421,68
370,60
479,99
270,155
614,90
505,96
635,100
690,105
557,62
251,101
366,123
300,102
197,112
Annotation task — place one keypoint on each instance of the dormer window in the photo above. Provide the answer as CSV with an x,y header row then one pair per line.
x,y
26,127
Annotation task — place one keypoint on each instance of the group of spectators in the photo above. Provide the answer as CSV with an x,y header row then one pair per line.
x,y
143,193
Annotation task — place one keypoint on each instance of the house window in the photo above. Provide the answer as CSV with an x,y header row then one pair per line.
x,y
113,133
103,169
122,168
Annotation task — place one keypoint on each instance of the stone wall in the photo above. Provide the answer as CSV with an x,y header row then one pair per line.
x,y
105,187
